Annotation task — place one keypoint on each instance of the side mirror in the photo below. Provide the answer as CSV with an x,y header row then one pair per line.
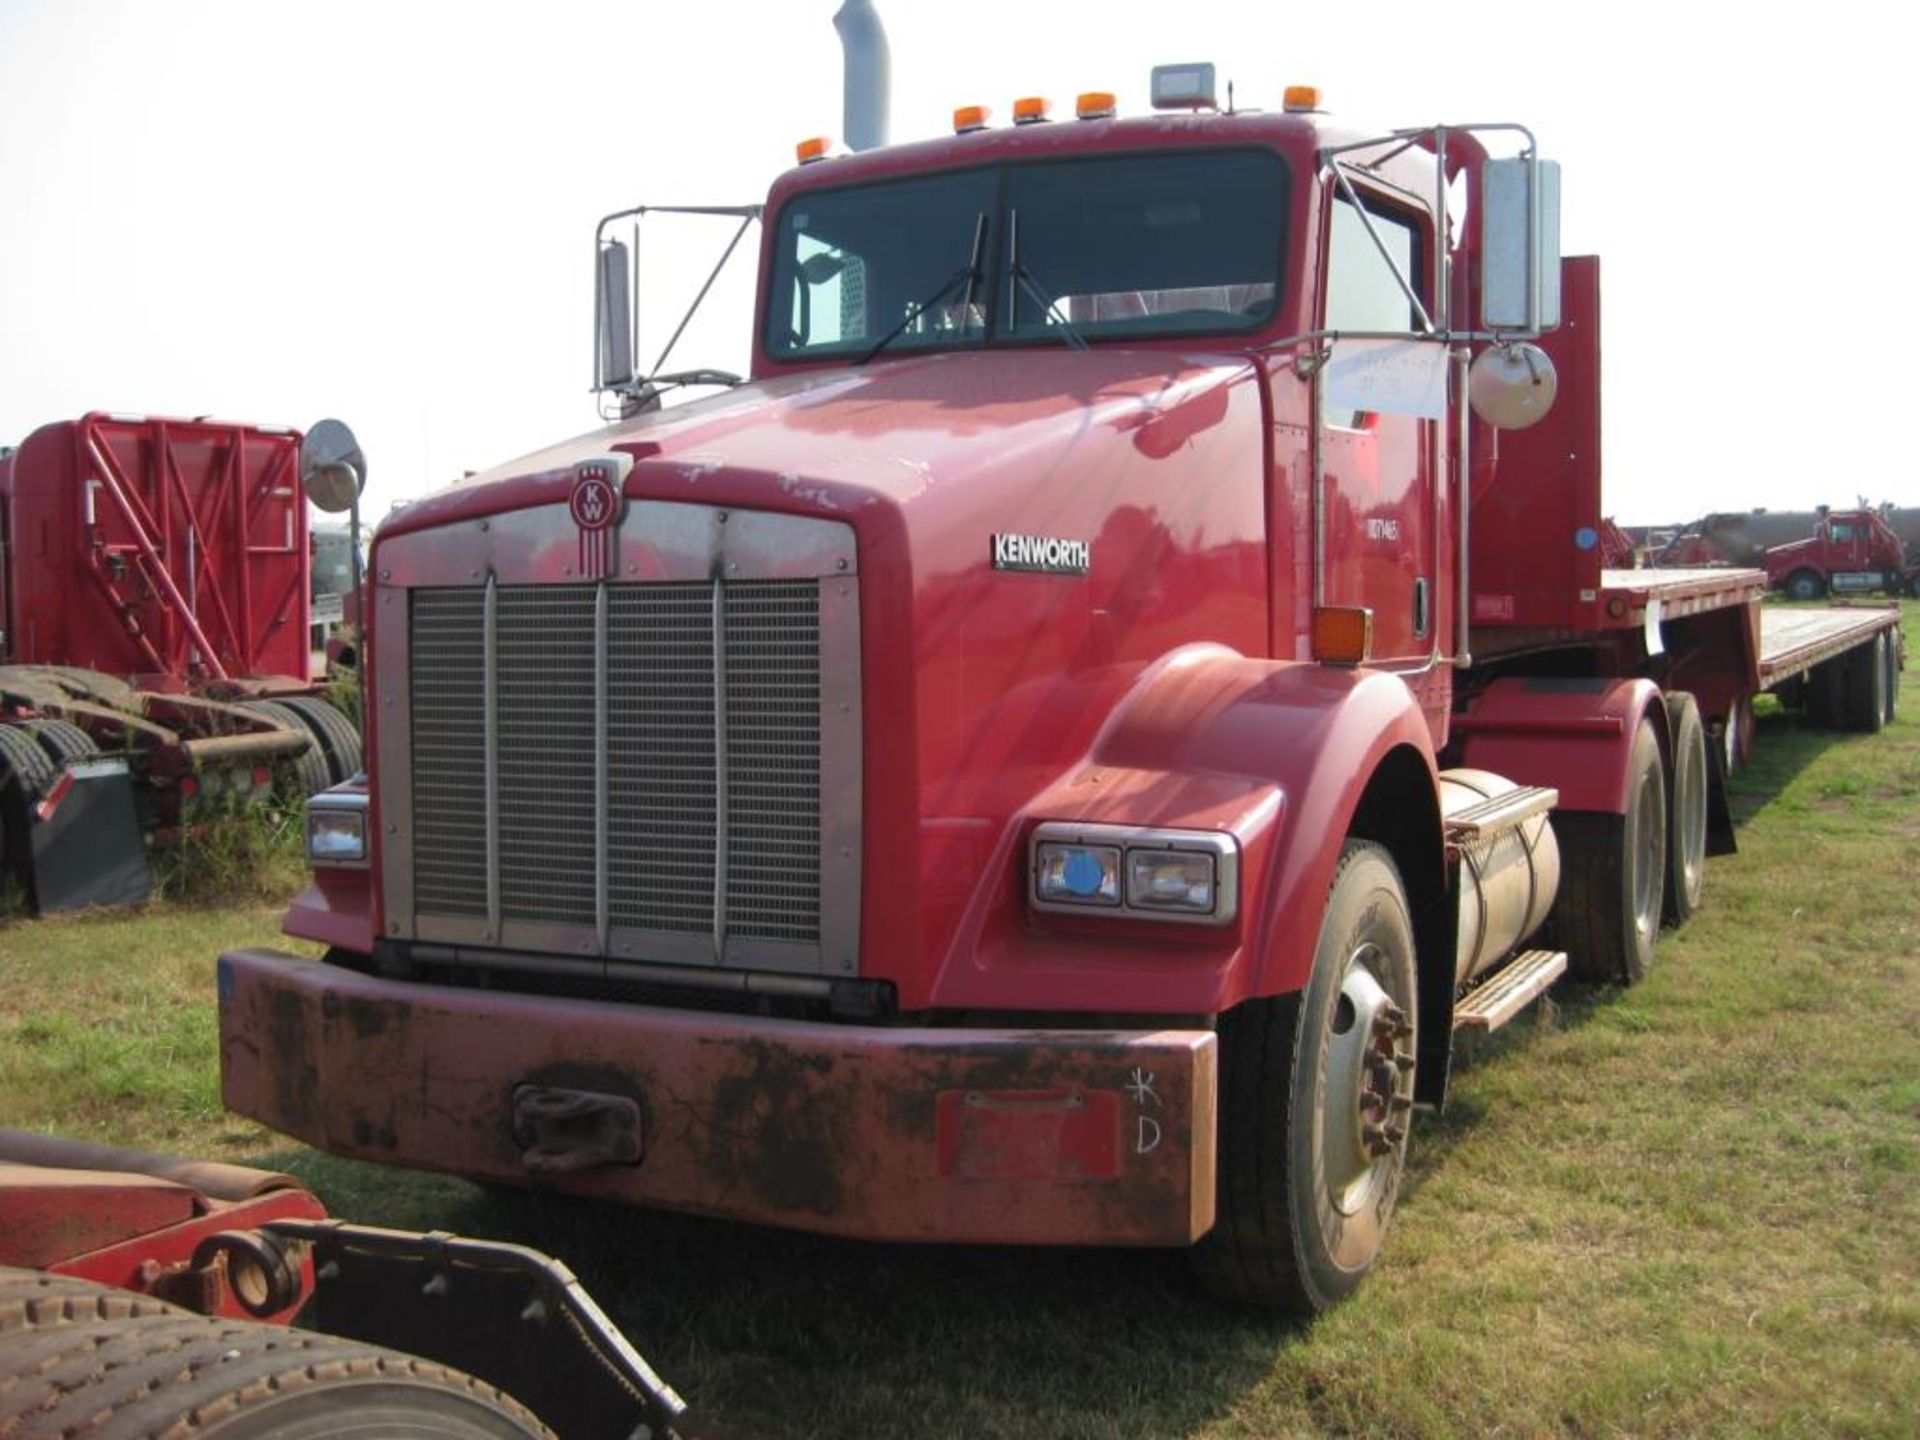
x,y
332,469
613,318
1520,245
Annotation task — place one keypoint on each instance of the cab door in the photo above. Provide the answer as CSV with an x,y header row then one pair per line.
x,y
1378,483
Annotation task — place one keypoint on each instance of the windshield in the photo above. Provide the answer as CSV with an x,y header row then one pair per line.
x,y
1174,243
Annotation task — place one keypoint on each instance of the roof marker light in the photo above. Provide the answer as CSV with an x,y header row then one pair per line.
x,y
969,118
813,148
1096,105
1031,109
1301,98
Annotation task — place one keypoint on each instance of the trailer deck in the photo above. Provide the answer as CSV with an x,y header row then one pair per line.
x,y
1793,641
1626,594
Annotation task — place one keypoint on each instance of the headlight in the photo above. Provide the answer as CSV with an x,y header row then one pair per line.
x,y
1067,874
1186,875
337,830
1171,880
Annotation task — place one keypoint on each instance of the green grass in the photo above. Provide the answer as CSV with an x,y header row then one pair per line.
x,y
1688,1208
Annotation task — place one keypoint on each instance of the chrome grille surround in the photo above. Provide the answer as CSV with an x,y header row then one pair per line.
x,y
661,767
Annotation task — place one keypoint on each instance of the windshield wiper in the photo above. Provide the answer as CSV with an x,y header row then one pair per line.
x,y
1030,282
970,274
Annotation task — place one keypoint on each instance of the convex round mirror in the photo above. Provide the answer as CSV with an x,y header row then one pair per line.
x,y
1512,385
332,469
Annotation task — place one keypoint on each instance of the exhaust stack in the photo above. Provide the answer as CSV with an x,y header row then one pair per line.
x,y
863,39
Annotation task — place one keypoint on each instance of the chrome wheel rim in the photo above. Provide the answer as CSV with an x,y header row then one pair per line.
x,y
1648,822
1364,1106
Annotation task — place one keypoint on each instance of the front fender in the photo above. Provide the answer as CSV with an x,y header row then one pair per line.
x,y
1276,753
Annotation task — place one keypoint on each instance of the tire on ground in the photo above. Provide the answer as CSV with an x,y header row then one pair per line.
x,y
1613,875
1305,1191
1687,810
310,766
1805,585
1864,702
337,736
84,1358
1893,679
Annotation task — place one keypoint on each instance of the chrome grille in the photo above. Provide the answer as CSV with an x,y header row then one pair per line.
x,y
448,684
709,820
773,751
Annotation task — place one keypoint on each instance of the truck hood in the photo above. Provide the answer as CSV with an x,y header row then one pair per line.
x,y
834,440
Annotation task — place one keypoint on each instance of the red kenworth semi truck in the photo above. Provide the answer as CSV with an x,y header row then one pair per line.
x,y
1055,755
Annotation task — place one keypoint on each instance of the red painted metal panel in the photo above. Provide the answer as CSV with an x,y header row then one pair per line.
x,y
1573,735
817,1127
160,548
1535,539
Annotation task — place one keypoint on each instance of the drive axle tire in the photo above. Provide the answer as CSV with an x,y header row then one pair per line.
x,y
1613,872
1316,1090
85,1359
1687,834
1805,585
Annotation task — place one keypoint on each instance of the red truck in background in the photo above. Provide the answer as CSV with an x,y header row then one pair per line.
x,y
155,667
1058,753
1850,552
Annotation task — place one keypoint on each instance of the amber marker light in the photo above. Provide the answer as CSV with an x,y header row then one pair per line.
x,y
969,118
1342,635
1096,105
1301,97
812,149
1031,109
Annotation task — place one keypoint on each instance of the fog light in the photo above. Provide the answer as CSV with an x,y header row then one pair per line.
x,y
1077,874
1170,880
336,834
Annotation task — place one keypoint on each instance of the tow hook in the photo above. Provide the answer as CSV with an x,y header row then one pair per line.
x,y
559,1131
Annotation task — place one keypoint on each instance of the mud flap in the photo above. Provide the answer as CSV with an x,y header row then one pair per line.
x,y
86,846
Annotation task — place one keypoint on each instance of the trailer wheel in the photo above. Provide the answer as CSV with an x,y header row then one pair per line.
x,y
1893,679
1316,1089
1805,585
336,734
62,741
1613,876
83,1358
310,766
1687,836
1862,677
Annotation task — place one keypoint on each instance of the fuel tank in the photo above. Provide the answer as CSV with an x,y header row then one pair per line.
x,y
1507,882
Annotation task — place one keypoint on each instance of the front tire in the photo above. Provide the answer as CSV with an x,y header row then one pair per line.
x,y
1316,1094
1804,585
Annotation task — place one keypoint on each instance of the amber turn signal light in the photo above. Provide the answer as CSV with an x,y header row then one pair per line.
x,y
1342,635
1302,97
1031,109
969,118
1096,105
812,149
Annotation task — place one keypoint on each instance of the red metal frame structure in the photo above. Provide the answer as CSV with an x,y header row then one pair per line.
x,y
168,551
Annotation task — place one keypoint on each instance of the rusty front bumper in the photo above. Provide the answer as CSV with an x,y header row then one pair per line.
x,y
997,1136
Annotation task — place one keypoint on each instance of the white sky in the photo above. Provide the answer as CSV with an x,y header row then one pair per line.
x,y
278,211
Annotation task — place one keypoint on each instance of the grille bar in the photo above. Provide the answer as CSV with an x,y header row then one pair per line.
x,y
722,786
